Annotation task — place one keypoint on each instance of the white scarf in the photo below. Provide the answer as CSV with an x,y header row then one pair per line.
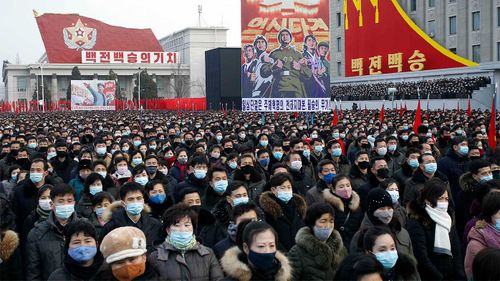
x,y
442,244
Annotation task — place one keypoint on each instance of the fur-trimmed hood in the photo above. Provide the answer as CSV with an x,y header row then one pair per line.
x,y
8,245
406,267
116,207
468,183
337,203
270,206
324,253
236,268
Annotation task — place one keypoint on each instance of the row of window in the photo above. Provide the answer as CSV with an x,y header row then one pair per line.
x,y
431,4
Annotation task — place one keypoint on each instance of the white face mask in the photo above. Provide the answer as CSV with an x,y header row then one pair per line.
x,y
45,204
443,206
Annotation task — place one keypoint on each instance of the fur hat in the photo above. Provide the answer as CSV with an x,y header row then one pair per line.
x,y
123,242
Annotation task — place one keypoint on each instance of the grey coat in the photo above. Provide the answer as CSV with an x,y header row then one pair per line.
x,y
198,263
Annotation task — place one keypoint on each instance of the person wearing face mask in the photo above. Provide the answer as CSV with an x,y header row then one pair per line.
x,y
392,187
409,166
346,202
380,242
256,256
100,202
45,243
341,163
359,171
131,211
84,169
108,184
379,171
11,265
122,172
303,180
158,198
9,159
82,259
63,164
455,163
197,176
180,256
283,209
214,153
443,140
101,152
93,185
7,186
180,166
433,234
218,184
239,213
470,183
248,174
326,174
486,232
124,250
427,169
380,212
319,249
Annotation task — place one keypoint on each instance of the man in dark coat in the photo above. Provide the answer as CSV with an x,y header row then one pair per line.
x,y
455,163
63,164
379,171
197,177
131,211
407,168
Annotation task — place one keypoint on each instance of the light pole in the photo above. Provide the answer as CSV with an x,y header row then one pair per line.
x,y
43,87
139,89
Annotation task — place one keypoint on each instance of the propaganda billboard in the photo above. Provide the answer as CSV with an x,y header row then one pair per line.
x,y
285,55
93,94
380,38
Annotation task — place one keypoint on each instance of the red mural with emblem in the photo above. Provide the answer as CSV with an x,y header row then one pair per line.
x,y
65,36
380,38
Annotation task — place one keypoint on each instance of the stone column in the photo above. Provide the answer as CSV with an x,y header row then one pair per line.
x,y
171,88
32,86
54,91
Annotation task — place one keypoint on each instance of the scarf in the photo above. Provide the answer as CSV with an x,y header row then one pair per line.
x,y
182,248
42,214
81,272
442,244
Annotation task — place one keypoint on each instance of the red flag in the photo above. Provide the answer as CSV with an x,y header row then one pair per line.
x,y
366,110
492,131
401,110
276,115
340,110
418,118
396,107
469,110
296,114
335,119
382,113
406,108
64,35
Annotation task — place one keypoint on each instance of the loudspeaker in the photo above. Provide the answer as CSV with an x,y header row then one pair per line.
x,y
222,76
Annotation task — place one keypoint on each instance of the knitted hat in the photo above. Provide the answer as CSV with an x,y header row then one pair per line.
x,y
123,242
84,164
378,198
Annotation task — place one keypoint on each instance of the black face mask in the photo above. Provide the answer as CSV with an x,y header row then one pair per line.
x,y
286,148
42,149
496,174
247,169
14,152
62,154
364,165
189,142
383,173
24,163
228,150
196,208
364,145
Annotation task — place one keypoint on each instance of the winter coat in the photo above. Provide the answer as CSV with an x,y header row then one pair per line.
x,y
402,175
209,230
190,182
403,241
358,179
45,248
63,169
315,194
77,184
286,219
222,212
416,183
348,214
178,172
157,210
342,165
313,259
116,216
302,180
482,236
363,191
211,198
71,270
405,269
453,166
198,263
433,266
396,160
84,206
255,185
26,198
236,267
11,264
465,196
105,274
221,247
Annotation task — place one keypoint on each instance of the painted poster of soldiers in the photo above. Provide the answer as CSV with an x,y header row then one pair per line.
x,y
93,95
285,55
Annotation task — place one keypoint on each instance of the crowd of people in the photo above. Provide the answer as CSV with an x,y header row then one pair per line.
x,y
242,196
445,88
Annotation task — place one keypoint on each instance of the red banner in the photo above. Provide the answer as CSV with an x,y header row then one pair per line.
x,y
381,38
65,36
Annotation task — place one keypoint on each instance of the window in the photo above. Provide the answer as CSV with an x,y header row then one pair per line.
x,y
339,68
498,51
339,19
453,1
431,28
122,83
498,16
22,83
453,50
413,5
63,84
432,3
476,21
339,44
476,53
453,25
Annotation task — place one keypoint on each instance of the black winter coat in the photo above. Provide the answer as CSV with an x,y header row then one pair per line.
x,y
190,182
286,219
402,175
11,265
433,266
453,166
63,169
116,216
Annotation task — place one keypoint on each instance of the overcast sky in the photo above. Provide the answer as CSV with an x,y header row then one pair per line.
x,y
19,33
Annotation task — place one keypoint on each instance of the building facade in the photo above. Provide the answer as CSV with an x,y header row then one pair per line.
x,y
469,28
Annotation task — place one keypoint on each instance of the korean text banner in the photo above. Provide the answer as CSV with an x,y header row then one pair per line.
x,y
380,38
93,94
285,55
